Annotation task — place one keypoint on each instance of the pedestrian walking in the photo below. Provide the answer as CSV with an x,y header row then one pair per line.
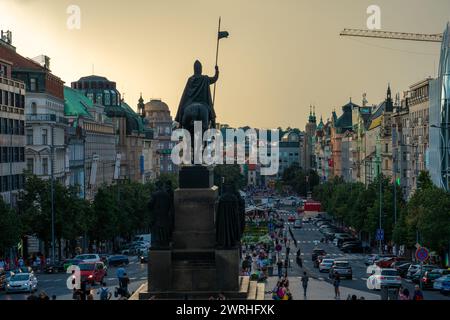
x,y
104,292
305,280
286,266
418,294
280,268
404,294
336,285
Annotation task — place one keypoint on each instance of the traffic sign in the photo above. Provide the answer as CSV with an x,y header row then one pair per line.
x,y
422,254
380,234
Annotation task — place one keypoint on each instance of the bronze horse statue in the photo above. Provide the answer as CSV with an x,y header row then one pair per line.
x,y
196,103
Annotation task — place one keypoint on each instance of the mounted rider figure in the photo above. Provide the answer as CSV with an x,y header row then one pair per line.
x,y
196,103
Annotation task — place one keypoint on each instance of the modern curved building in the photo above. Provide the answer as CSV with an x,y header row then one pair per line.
x,y
439,165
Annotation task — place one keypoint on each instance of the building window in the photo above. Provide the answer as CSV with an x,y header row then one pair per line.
x,y
33,85
44,136
98,100
45,166
33,108
29,136
114,98
107,99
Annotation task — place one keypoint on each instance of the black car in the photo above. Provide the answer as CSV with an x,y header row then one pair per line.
x,y
119,260
56,267
353,248
316,253
340,242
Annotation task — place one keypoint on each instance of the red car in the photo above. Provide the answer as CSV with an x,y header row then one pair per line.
x,y
291,219
92,272
386,262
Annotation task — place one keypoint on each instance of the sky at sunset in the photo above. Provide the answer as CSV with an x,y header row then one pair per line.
x,y
281,55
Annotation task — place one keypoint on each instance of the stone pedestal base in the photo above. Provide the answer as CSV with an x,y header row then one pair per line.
x,y
194,218
159,267
193,268
227,266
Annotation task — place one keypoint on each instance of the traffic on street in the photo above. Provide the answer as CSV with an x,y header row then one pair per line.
x,y
310,241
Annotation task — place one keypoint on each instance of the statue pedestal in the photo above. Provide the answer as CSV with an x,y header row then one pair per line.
x,y
194,218
193,267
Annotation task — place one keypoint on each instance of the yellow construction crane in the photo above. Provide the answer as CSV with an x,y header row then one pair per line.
x,y
392,35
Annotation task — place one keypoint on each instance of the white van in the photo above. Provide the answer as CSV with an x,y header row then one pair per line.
x,y
143,238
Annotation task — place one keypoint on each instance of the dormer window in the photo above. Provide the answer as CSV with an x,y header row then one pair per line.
x,y
107,98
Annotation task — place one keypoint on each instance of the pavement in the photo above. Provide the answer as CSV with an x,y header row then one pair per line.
x,y
55,284
317,290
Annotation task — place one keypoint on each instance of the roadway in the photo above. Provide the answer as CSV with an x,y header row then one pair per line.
x,y
55,284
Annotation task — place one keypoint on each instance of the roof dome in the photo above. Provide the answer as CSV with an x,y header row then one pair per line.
x,y
156,105
290,137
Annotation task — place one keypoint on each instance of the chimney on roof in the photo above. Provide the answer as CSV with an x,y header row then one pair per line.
x,y
43,60
7,36
6,39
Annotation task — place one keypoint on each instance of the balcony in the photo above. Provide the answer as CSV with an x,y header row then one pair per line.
x,y
40,118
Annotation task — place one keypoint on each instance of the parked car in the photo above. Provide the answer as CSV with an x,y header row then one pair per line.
x,y
298,224
22,282
92,272
399,262
291,218
383,278
421,271
402,269
318,261
353,248
144,257
90,257
339,241
317,252
326,265
429,277
118,260
385,262
445,288
370,259
143,237
439,282
341,268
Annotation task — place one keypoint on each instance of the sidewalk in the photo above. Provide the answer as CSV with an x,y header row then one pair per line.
x,y
317,290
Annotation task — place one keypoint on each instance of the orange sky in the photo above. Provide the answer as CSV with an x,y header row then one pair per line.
x,y
281,56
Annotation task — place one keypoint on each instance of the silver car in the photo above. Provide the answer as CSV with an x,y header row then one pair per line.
x,y
22,282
